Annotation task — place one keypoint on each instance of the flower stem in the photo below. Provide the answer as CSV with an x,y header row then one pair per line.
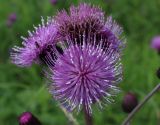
x,y
70,117
88,118
128,123
137,108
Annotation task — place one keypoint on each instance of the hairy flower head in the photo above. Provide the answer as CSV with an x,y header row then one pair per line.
x,y
89,20
85,74
36,45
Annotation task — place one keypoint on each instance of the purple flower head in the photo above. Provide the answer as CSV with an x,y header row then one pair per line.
x,y
129,102
85,74
155,43
89,20
27,118
11,19
36,46
53,2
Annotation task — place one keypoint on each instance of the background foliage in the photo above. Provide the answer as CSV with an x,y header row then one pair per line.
x,y
23,89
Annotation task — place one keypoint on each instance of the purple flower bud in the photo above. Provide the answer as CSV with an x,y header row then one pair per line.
x,y
155,43
11,19
53,2
129,102
28,118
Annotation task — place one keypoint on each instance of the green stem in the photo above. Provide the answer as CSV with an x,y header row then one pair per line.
x,y
69,116
88,118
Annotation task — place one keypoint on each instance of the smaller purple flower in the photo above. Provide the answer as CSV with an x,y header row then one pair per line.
x,y
90,21
80,19
155,43
36,46
129,102
53,2
27,118
11,19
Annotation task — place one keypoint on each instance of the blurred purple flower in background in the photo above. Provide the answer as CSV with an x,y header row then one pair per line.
x,y
155,43
36,46
129,102
11,19
27,118
53,2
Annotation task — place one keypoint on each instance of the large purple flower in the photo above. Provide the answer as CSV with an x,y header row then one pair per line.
x,y
85,74
36,46
89,20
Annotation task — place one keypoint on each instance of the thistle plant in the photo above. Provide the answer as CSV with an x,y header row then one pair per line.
x,y
82,50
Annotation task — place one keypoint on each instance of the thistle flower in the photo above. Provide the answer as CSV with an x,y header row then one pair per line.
x,y
27,118
129,102
89,20
36,46
85,74
11,19
155,43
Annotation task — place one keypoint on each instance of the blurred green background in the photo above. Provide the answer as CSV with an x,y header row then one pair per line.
x,y
24,89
